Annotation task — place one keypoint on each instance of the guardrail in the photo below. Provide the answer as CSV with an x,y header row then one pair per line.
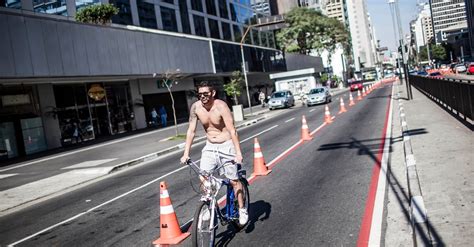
x,y
456,95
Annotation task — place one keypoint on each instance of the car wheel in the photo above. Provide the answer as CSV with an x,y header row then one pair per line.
x,y
271,109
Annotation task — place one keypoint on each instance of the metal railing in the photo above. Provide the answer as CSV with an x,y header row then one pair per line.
x,y
457,95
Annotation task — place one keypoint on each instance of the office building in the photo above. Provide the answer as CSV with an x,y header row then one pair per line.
x,y
56,73
470,24
447,16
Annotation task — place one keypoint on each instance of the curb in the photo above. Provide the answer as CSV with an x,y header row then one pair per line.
x,y
156,155
418,214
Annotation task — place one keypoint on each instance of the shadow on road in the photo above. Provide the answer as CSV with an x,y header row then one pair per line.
x,y
258,211
372,148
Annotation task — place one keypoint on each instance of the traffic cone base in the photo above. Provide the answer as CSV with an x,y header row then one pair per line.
x,y
170,232
343,107
259,167
327,115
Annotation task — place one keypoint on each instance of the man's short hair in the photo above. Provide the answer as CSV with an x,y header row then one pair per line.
x,y
206,84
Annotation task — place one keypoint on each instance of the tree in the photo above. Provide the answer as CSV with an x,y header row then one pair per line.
x,y
309,30
234,87
97,13
167,81
437,52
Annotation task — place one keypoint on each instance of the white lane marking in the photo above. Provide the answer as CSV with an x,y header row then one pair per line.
x,y
113,199
89,163
7,175
259,133
377,214
96,207
316,130
289,120
83,149
312,110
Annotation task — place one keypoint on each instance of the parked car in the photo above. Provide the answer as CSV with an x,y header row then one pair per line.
x,y
470,69
422,73
281,99
355,85
435,75
460,68
318,95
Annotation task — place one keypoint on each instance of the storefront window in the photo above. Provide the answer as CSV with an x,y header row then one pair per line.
x,y
8,146
55,7
33,135
14,4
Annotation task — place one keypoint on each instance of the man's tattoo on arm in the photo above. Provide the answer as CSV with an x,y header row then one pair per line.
x,y
193,115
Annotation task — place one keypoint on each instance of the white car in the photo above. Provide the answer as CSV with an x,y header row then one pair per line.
x,y
281,99
317,96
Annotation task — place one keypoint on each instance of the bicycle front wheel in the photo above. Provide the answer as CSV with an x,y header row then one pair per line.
x,y
202,234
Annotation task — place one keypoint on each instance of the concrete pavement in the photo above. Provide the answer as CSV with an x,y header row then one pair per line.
x,y
431,193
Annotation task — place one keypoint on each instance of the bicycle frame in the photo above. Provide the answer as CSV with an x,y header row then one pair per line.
x,y
211,197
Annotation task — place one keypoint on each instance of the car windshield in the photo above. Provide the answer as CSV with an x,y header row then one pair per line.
x,y
316,90
355,82
278,94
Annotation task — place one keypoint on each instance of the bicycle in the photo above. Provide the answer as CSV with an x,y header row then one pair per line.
x,y
208,212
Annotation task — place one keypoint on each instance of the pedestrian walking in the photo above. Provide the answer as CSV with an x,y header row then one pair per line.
x,y
261,97
77,133
154,118
163,116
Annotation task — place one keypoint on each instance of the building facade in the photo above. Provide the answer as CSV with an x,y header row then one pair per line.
x,y
58,76
422,27
470,24
447,15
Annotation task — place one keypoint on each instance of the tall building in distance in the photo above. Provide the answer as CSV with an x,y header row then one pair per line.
x,y
422,27
447,16
360,28
335,9
470,24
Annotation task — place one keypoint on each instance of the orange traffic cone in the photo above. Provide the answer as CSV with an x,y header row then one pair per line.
x,y
343,107
359,97
327,115
170,231
259,167
351,100
363,92
305,136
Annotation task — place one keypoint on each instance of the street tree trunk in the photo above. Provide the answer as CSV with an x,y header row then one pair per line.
x,y
174,110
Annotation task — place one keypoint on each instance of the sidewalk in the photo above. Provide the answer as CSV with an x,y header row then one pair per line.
x,y
434,187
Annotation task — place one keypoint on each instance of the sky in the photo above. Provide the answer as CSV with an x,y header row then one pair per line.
x,y
381,19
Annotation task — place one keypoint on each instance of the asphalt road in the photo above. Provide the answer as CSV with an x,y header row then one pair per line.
x,y
315,196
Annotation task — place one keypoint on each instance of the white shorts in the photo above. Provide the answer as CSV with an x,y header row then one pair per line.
x,y
216,154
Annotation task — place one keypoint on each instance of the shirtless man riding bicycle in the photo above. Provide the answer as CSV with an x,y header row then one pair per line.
x,y
222,145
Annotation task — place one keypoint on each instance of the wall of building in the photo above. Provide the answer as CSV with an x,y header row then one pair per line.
x,y
45,47
50,121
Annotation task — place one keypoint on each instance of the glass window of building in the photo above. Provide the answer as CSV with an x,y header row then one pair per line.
x,y
214,28
168,17
256,40
211,7
124,16
146,14
200,25
226,31
233,11
14,4
237,33
183,11
84,3
223,9
271,40
55,7
196,5
263,39
168,1
248,37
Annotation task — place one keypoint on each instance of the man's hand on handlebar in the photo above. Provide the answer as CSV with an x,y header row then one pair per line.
x,y
184,159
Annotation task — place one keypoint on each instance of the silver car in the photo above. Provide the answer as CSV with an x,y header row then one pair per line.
x,y
281,99
317,96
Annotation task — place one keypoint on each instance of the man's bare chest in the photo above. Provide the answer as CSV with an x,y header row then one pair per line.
x,y
210,118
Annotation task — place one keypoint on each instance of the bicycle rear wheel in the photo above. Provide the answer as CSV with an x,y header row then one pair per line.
x,y
246,197
202,235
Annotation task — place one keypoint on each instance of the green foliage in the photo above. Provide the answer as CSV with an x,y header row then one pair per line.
x,y
234,87
310,30
324,77
437,52
97,13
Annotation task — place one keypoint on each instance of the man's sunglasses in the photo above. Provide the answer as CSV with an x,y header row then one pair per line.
x,y
205,94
